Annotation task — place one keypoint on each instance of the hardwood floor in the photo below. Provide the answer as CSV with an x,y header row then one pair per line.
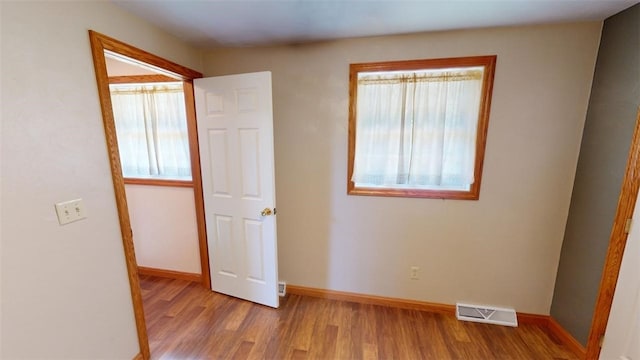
x,y
186,321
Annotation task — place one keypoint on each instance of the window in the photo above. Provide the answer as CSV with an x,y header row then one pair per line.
x,y
418,128
151,127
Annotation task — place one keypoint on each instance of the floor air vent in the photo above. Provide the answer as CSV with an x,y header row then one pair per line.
x,y
486,314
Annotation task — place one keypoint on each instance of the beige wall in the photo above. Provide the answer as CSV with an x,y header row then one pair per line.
x,y
163,220
65,293
502,249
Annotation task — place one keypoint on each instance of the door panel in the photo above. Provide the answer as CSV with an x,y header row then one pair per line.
x,y
235,131
218,160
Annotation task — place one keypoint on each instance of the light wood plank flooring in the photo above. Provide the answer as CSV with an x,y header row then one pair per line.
x,y
185,321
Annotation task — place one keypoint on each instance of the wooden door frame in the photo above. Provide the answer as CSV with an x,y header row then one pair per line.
x,y
99,44
617,243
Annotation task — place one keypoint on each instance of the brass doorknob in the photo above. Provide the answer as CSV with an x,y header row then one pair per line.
x,y
266,212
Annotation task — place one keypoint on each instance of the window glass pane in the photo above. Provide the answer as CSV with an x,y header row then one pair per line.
x,y
152,132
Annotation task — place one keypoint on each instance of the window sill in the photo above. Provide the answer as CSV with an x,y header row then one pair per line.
x,y
416,193
159,182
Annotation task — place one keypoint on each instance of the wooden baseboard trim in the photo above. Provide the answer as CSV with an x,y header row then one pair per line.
x,y
138,357
170,274
523,318
371,299
533,319
567,339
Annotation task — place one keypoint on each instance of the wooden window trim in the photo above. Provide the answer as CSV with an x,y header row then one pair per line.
x,y
159,182
148,79
488,62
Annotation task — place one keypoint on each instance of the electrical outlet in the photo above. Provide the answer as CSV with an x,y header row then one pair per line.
x,y
70,211
414,273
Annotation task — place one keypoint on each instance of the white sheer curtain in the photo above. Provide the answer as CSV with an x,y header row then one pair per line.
x,y
151,127
417,129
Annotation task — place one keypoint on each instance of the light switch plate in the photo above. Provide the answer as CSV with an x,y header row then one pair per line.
x,y
70,211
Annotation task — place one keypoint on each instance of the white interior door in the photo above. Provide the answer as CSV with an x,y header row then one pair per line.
x,y
622,337
235,133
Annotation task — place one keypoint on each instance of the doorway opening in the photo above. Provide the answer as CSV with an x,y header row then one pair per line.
x,y
101,46
150,117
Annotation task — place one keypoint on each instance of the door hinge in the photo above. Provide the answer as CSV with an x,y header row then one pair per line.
x,y
627,226
601,342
